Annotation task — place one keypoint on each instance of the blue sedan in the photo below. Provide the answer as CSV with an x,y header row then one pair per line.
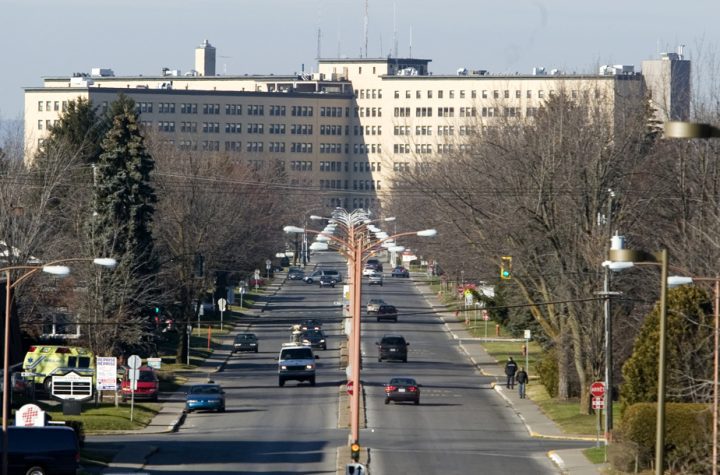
x,y
208,397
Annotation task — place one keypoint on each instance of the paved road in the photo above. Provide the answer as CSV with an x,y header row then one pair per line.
x,y
461,425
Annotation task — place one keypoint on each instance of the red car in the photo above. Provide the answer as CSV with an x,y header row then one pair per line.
x,y
148,385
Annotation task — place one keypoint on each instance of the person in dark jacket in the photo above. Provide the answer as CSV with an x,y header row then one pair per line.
x,y
510,370
522,379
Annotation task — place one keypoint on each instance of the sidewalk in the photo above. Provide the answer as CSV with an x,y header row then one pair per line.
x,y
171,415
570,461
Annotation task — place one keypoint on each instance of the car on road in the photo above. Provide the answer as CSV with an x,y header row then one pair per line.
x,y
310,324
295,273
327,281
387,312
205,397
368,271
148,385
373,305
296,362
374,264
376,278
314,339
400,271
392,347
402,390
245,342
311,278
315,276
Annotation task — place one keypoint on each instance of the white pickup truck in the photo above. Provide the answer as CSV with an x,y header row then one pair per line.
x,y
296,362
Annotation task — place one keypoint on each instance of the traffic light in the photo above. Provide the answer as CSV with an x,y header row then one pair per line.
x,y
506,267
355,451
157,310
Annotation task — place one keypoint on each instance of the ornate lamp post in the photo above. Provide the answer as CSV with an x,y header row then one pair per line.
x,y
659,258
357,244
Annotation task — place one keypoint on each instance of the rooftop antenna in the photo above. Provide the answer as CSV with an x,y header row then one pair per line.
x,y
410,41
319,37
395,32
366,28
381,46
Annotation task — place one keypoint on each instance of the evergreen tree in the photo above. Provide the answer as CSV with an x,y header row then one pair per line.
x,y
125,198
689,334
79,130
119,227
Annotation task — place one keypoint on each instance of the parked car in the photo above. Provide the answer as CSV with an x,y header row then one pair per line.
x,y
402,390
326,281
373,305
314,339
400,271
376,278
148,385
209,397
253,282
296,273
284,262
392,347
387,312
42,450
245,342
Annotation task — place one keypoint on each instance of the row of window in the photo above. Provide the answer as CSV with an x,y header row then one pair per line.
x,y
356,185
487,94
333,148
441,148
334,111
333,166
368,93
51,106
365,148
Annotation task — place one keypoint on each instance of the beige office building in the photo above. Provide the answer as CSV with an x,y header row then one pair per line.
x,y
348,131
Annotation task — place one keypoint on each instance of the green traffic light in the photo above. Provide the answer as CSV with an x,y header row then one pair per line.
x,y
157,309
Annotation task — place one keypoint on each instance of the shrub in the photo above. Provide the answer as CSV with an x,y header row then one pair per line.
x,y
547,370
687,441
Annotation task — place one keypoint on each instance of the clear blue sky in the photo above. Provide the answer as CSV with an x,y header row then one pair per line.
x,y
57,37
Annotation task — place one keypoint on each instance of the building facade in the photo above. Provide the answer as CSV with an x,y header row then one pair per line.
x,y
350,130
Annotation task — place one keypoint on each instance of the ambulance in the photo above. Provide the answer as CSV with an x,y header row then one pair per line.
x,y
42,362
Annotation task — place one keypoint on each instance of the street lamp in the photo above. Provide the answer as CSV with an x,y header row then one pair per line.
x,y
356,245
692,130
52,268
676,281
628,256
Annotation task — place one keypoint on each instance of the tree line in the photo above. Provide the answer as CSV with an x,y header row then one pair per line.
x,y
102,185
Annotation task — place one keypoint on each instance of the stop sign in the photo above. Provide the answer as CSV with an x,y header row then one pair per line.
x,y
350,387
597,389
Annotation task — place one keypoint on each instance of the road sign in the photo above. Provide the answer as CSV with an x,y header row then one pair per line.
x,y
527,334
106,370
350,388
597,389
486,315
222,305
134,362
598,403
268,263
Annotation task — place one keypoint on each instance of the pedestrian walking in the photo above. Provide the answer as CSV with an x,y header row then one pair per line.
x,y
522,379
510,370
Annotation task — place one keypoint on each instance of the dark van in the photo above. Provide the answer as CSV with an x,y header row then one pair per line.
x,y
42,451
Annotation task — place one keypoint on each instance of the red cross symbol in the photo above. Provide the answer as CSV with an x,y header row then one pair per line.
x,y
30,414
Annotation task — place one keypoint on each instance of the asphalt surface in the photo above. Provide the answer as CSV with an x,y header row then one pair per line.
x,y
464,419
